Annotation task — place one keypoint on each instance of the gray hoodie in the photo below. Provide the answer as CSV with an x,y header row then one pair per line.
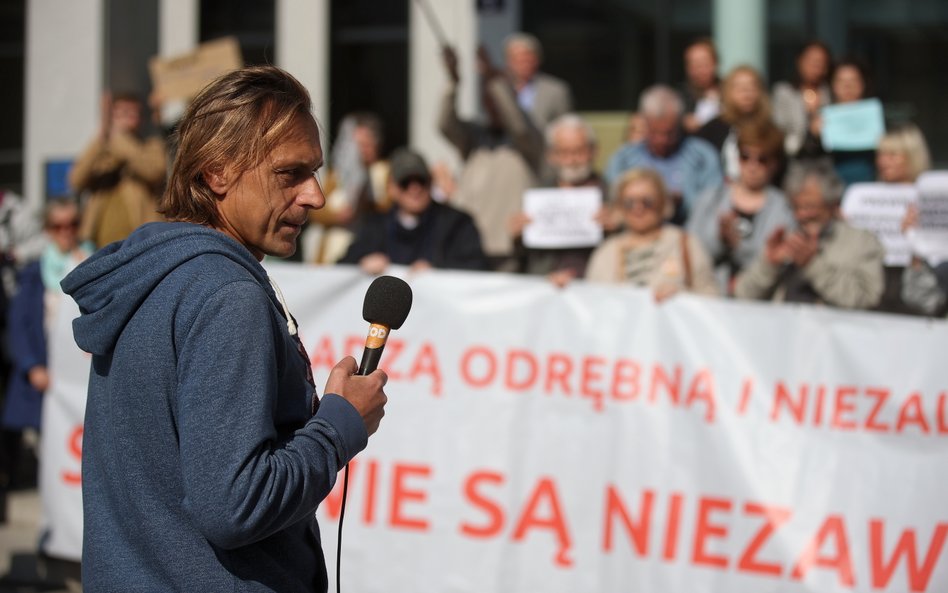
x,y
203,463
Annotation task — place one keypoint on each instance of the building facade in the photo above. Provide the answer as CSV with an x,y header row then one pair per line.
x,y
385,57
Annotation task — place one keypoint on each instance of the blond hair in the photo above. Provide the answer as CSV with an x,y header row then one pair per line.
x,y
729,112
907,139
643,174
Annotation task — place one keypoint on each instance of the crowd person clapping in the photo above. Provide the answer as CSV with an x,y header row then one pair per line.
x,y
734,220
823,259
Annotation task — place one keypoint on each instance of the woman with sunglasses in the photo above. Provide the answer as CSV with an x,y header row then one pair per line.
x,y
734,220
649,252
32,309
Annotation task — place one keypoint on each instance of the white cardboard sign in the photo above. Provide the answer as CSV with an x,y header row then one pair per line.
x,y
562,217
880,209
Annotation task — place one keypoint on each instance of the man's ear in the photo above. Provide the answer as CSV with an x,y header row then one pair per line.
x,y
216,179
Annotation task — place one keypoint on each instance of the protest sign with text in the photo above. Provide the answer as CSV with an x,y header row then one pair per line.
x,y
880,209
562,217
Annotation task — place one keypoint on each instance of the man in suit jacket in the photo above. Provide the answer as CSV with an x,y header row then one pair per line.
x,y
542,96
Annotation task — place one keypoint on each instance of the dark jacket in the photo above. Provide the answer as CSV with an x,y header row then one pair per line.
x,y
202,461
445,236
27,338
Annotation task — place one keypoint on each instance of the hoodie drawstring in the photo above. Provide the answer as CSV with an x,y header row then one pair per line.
x,y
290,324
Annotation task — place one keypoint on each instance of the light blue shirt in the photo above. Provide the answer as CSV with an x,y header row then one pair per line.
x,y
527,96
693,168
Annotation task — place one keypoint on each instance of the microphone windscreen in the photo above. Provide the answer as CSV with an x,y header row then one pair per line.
x,y
387,302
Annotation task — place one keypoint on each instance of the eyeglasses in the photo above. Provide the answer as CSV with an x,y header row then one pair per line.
x,y
406,182
648,203
760,159
63,226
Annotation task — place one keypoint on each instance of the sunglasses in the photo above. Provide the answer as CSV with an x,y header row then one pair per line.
x,y
648,203
406,182
761,159
63,226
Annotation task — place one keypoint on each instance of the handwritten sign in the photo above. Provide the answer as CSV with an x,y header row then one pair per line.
x,y
880,208
930,238
853,126
183,76
562,217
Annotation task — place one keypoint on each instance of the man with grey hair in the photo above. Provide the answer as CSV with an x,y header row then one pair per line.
x,y
502,155
823,260
688,165
570,156
571,152
542,96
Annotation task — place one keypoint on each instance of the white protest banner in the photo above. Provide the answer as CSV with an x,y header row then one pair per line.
x,y
588,439
562,217
853,126
64,405
930,239
880,209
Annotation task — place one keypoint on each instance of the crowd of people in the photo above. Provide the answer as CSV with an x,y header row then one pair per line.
x,y
719,178
722,187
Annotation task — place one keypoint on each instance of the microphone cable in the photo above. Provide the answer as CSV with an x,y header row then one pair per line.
x,y
342,514
386,306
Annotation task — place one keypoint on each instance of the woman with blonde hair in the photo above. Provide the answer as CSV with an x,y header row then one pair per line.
x,y
744,101
902,155
650,252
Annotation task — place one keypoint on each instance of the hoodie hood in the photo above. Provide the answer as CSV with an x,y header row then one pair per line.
x,y
111,285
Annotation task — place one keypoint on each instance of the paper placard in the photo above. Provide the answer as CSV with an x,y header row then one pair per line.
x,y
853,126
562,217
184,75
930,239
880,208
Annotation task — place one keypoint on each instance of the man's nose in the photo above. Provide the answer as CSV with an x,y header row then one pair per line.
x,y
311,194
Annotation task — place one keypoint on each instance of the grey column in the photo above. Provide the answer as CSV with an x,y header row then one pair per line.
x,y
302,40
740,33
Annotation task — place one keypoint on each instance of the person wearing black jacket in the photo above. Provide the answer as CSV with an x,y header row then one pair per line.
x,y
417,231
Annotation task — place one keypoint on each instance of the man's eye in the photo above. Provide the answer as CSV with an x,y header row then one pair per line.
x,y
292,174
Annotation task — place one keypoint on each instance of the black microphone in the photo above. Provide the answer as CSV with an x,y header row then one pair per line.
x,y
386,306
